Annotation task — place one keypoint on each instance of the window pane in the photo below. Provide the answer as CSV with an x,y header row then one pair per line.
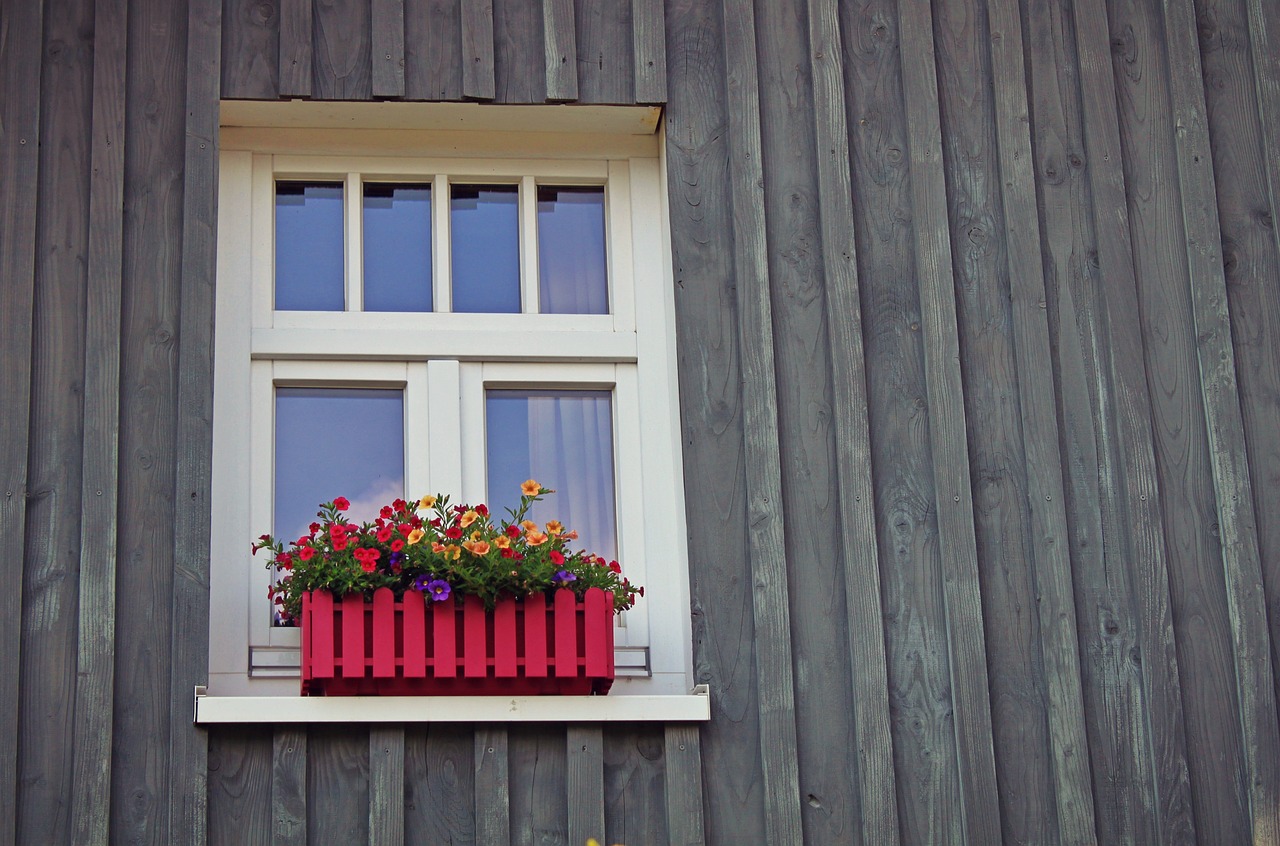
x,y
571,258
309,247
397,247
564,439
485,224
333,442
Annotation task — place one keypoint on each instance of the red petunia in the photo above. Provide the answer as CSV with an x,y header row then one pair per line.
x,y
305,553
342,503
339,544
482,510
615,566
384,534
400,505
508,553
397,545
405,529
513,531
556,557
453,533
385,512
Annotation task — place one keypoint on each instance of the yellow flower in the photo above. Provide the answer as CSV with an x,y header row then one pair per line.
x,y
415,536
502,542
531,488
475,536
427,501
535,538
437,547
467,518
529,526
477,547
555,527
453,551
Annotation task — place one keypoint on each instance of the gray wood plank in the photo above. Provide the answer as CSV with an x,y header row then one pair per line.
x,y
876,800
561,48
605,67
338,785
189,645
538,785
1228,461
649,51
251,50
1140,769
45,714
683,755
477,49
493,786
432,50
635,808
440,792
388,48
711,417
961,591
765,534
386,785
288,786
519,64
295,48
240,787
21,41
95,663
341,62
798,283
584,752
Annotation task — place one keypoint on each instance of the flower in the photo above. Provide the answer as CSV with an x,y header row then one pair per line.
x,y
384,534
342,503
531,488
502,542
535,538
453,551
476,547
564,577
482,510
528,525
416,535
555,527
427,502
438,589
453,533
397,545
385,512
467,518
556,557
513,531
305,552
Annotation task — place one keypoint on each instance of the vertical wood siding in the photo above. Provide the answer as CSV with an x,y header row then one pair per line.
x,y
978,313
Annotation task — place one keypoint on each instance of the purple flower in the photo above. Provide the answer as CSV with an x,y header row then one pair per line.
x,y
397,558
564,577
439,590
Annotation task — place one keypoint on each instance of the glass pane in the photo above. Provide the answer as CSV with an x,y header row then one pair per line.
x,y
309,247
485,224
571,258
397,247
333,442
564,440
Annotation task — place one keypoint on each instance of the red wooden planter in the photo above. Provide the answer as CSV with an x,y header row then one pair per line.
x,y
416,648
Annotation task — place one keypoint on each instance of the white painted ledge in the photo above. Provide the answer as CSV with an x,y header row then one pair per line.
x,y
212,710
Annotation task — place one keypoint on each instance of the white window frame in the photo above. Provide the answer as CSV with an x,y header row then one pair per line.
x,y
436,356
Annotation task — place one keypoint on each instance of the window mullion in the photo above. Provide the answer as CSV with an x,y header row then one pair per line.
x,y
529,245
354,196
418,407
444,425
441,247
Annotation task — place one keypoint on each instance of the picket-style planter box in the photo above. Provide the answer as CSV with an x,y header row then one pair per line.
x,y
419,648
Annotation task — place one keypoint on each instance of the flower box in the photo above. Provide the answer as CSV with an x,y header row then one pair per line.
x,y
413,647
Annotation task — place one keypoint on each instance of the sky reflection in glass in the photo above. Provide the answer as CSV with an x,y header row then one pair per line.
x,y
571,254
485,225
333,442
564,440
397,247
309,247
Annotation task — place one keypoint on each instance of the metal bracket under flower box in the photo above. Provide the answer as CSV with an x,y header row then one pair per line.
x,y
214,710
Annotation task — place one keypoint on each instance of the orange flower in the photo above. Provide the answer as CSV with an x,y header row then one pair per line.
x,y
477,548
415,536
427,501
531,488
571,535
502,542
529,526
437,547
467,518
555,527
535,538
453,551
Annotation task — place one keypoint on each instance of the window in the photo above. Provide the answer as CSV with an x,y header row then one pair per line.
x,y
393,324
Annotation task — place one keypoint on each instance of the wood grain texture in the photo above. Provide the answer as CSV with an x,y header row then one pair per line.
x,y
295,48
706,295
338,785
635,785
432,50
341,60
806,406
538,785
388,48
605,64
386,785
1258,730
288,786
684,775
251,48
95,662
766,540
1141,786
477,49
649,52
240,787
21,41
439,782
560,48
518,52
877,815
49,619
492,785
961,591
189,640
584,782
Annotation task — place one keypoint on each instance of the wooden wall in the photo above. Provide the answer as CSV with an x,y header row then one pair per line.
x,y
979,331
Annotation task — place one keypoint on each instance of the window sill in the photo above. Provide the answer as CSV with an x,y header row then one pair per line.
x,y
213,710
